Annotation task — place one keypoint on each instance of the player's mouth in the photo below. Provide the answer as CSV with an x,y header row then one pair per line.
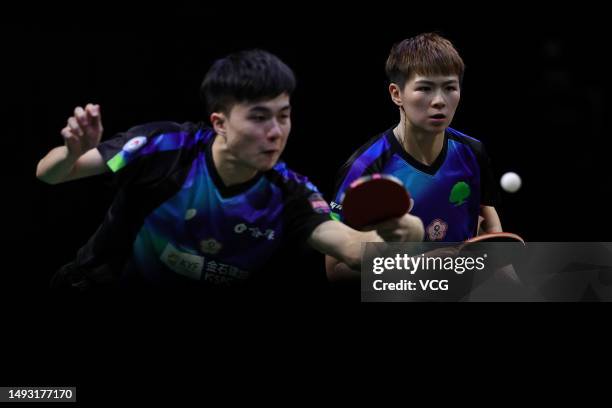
x,y
438,118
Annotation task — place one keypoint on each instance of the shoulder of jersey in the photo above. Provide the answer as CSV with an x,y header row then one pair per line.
x,y
289,176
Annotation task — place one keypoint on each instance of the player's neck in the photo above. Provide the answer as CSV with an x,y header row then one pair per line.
x,y
229,168
422,146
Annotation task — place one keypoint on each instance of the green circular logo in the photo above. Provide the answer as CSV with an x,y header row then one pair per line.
x,y
459,193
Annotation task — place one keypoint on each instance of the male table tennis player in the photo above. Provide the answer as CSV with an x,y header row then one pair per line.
x,y
201,205
446,172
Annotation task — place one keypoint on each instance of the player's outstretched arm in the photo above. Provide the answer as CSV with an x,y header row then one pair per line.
x,y
337,271
342,244
77,158
407,228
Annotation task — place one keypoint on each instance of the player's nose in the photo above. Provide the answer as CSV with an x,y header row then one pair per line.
x,y
275,131
438,101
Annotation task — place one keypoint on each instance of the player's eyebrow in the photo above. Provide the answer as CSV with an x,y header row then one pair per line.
x,y
426,82
265,109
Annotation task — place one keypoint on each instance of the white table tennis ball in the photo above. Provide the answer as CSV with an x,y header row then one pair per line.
x,y
511,182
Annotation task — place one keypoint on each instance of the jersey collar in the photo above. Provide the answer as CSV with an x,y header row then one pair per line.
x,y
399,149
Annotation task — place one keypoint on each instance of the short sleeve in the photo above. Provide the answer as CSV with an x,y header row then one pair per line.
x,y
305,208
126,148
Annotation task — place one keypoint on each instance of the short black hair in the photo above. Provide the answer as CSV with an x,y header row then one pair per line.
x,y
245,76
424,54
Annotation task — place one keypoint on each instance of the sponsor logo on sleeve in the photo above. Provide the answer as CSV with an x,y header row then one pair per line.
x,y
135,144
318,203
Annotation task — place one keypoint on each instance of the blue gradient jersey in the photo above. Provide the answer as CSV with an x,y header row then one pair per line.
x,y
447,195
173,220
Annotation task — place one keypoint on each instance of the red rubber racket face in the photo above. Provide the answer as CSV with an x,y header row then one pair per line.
x,y
373,199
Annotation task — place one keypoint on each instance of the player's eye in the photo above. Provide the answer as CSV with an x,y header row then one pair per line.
x,y
451,88
423,89
258,118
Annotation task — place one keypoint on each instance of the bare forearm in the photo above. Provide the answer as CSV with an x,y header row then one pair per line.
x,y
341,242
490,228
348,251
78,157
490,220
339,271
56,166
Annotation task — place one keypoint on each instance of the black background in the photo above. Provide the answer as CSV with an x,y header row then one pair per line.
x,y
534,93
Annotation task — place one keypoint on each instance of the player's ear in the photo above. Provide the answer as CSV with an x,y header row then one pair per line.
x,y
395,92
218,121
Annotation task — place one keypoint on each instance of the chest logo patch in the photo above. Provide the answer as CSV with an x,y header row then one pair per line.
x,y
459,193
210,246
183,263
436,231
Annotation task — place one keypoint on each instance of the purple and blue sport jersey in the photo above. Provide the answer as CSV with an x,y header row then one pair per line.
x,y
447,195
173,219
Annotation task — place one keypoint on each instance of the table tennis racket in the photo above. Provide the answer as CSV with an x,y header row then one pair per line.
x,y
373,199
498,255
494,237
